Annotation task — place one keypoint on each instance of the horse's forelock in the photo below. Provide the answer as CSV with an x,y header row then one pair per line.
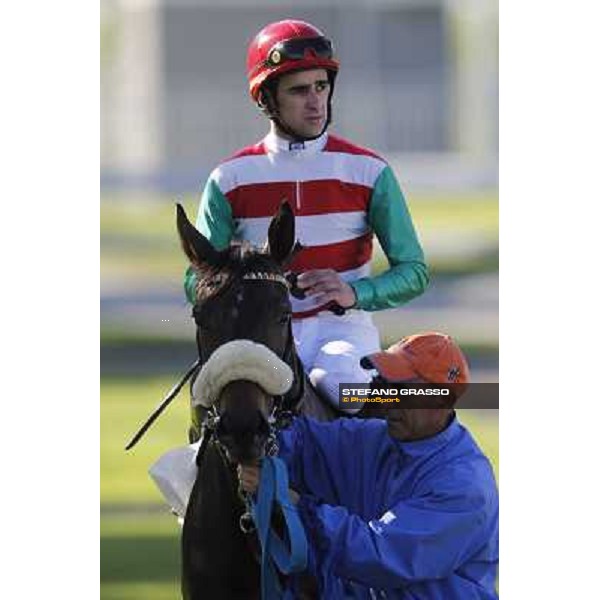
x,y
242,257
210,280
245,257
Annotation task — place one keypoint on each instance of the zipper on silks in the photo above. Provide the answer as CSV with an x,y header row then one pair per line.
x,y
298,197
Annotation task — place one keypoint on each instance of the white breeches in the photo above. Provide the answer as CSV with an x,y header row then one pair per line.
x,y
330,348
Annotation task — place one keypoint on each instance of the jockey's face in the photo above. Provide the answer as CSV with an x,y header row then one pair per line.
x,y
302,101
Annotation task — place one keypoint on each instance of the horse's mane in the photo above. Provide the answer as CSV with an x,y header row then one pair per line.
x,y
239,258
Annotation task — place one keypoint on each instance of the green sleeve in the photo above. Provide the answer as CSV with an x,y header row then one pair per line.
x,y
215,223
407,276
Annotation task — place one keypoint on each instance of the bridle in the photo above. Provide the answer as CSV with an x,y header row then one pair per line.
x,y
285,406
283,409
289,354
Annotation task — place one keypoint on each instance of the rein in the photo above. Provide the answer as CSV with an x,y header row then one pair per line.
x,y
272,493
163,404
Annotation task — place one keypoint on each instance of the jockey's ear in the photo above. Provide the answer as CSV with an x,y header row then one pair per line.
x,y
196,247
282,235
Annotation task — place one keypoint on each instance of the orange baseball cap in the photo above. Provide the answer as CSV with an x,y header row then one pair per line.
x,y
430,356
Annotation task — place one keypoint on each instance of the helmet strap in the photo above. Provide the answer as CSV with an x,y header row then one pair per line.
x,y
268,105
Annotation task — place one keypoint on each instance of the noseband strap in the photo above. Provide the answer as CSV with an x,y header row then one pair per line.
x,y
236,360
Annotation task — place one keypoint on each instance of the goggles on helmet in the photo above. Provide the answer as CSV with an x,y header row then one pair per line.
x,y
298,49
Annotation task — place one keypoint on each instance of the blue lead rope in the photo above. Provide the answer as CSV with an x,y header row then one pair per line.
x,y
273,490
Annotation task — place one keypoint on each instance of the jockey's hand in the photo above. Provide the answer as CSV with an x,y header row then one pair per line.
x,y
327,286
249,476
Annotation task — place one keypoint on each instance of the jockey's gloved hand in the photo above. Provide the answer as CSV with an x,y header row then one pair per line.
x,y
300,294
327,288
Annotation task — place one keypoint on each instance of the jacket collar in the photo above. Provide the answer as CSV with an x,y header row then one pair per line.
x,y
275,144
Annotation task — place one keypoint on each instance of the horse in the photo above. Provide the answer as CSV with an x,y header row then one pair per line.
x,y
241,294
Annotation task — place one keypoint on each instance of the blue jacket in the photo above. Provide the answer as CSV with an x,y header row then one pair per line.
x,y
391,519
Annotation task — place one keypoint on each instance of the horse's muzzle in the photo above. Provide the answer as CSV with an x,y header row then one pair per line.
x,y
243,429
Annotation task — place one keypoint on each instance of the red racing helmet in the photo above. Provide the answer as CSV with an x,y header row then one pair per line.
x,y
286,46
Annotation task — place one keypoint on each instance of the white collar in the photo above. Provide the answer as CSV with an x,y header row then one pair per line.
x,y
276,144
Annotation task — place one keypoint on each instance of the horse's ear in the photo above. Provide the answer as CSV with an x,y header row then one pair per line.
x,y
282,235
196,247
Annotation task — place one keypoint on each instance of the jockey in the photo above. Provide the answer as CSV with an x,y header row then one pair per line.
x,y
407,509
341,195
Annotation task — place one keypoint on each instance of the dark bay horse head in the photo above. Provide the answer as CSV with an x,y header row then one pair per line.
x,y
241,294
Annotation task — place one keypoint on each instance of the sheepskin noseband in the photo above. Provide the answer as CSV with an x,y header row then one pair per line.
x,y
241,359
